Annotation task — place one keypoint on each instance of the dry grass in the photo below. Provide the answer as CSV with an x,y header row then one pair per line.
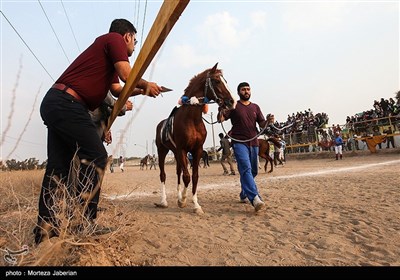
x,y
18,215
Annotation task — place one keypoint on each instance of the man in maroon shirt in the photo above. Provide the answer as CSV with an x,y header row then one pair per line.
x,y
244,119
64,110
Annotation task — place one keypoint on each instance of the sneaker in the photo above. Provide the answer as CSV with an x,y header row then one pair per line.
x,y
244,200
258,204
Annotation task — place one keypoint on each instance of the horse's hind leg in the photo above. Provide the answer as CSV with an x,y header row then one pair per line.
x,y
162,153
182,169
272,164
265,165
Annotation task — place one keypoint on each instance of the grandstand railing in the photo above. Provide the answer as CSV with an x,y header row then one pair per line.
x,y
362,129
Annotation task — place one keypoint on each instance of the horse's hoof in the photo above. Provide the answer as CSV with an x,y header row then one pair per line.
x,y
198,211
159,205
181,204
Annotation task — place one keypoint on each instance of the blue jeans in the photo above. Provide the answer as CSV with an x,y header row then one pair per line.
x,y
247,162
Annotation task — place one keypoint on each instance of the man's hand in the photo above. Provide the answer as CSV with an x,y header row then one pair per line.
x,y
222,113
152,89
129,105
108,137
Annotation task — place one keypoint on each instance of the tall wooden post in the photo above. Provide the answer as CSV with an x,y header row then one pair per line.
x,y
169,13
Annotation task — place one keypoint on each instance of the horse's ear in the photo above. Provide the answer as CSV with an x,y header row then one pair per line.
x,y
215,67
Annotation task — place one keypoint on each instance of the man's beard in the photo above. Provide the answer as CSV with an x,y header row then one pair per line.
x,y
243,97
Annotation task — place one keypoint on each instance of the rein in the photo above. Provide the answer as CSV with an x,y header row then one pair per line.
x,y
210,85
209,122
258,134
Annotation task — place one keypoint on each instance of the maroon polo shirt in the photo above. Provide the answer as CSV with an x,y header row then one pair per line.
x,y
92,72
244,119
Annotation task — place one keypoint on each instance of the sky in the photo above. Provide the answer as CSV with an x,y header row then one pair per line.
x,y
330,56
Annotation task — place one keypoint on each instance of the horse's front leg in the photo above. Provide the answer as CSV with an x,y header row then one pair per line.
x,y
181,191
195,179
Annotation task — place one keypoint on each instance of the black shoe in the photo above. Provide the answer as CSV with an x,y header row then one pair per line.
x,y
40,233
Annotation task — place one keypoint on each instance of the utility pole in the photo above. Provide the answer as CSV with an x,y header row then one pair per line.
x,y
213,138
121,143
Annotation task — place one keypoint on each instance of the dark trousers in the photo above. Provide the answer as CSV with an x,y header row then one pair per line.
x,y
390,140
70,130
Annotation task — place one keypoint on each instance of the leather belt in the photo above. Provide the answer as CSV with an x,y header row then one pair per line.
x,y
70,91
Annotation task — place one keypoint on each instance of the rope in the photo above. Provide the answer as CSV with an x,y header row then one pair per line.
x,y
244,141
280,129
209,122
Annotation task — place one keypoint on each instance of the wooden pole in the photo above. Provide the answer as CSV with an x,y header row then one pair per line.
x,y
169,13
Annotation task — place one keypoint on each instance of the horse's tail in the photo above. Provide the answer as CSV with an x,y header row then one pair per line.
x,y
275,141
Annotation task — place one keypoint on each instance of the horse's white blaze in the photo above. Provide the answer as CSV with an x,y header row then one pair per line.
x,y
163,195
196,204
230,92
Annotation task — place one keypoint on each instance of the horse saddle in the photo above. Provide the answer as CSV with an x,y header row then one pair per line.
x,y
168,127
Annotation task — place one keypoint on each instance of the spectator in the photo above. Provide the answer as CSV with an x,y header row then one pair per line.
x,y
390,138
153,161
338,146
121,162
226,154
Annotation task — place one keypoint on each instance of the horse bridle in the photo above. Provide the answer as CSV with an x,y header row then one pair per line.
x,y
209,84
205,99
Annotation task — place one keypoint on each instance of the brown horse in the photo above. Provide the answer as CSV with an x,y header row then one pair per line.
x,y
184,131
144,162
263,151
326,144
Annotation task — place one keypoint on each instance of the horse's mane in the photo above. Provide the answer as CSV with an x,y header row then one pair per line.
x,y
197,82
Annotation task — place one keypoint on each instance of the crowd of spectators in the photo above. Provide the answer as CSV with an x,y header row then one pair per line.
x,y
384,112
306,127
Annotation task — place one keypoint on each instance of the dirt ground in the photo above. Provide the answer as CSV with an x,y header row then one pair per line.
x,y
320,212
